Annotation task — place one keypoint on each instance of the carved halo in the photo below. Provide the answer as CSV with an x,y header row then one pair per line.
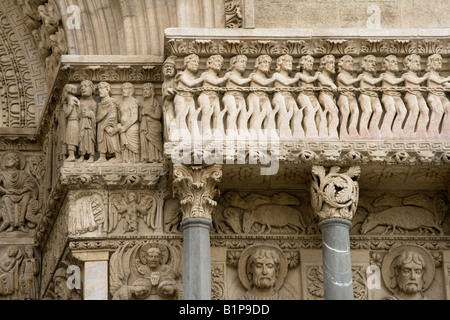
x,y
395,252
164,250
242,265
19,154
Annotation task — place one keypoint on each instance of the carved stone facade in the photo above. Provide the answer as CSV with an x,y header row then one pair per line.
x,y
129,133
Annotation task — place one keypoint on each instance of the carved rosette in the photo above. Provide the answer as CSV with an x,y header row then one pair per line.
x,y
334,194
196,187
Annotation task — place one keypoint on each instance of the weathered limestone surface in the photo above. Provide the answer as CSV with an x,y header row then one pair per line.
x,y
224,149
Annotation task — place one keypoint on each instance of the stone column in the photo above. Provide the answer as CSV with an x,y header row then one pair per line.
x,y
95,282
334,198
196,187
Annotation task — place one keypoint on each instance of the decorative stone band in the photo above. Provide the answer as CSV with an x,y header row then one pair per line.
x,y
310,152
334,194
297,42
196,187
111,176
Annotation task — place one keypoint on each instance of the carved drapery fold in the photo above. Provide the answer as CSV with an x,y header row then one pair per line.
x,y
196,187
334,194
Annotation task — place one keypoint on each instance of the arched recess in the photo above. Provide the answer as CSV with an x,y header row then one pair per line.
x,y
121,27
23,89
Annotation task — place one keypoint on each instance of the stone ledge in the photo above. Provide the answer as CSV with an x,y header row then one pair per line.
x,y
80,175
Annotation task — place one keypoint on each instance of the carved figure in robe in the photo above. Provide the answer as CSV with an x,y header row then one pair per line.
x,y
326,97
129,124
392,100
284,101
107,121
151,130
233,100
371,110
208,100
9,271
439,125
29,269
347,102
19,203
184,100
71,110
307,99
168,93
417,120
258,102
88,110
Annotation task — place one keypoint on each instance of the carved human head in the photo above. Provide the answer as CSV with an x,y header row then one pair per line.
x,y
412,62
345,63
390,63
284,61
29,251
262,63
306,63
11,160
61,290
410,271
87,88
263,267
238,62
369,63
104,88
214,62
191,62
148,90
169,66
127,89
154,257
132,196
434,62
70,89
327,63
12,251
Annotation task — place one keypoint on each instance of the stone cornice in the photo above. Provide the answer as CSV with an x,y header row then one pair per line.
x,y
296,42
78,176
324,152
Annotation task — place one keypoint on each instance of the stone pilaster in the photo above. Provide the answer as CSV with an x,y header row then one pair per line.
x,y
196,187
334,198
95,284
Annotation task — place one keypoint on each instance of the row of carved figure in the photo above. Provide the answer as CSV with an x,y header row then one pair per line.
x,y
127,131
151,271
307,104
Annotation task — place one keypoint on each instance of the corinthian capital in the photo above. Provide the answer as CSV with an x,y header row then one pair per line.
x,y
196,186
334,194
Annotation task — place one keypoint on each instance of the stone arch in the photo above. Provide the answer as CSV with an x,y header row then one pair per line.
x,y
23,89
120,27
